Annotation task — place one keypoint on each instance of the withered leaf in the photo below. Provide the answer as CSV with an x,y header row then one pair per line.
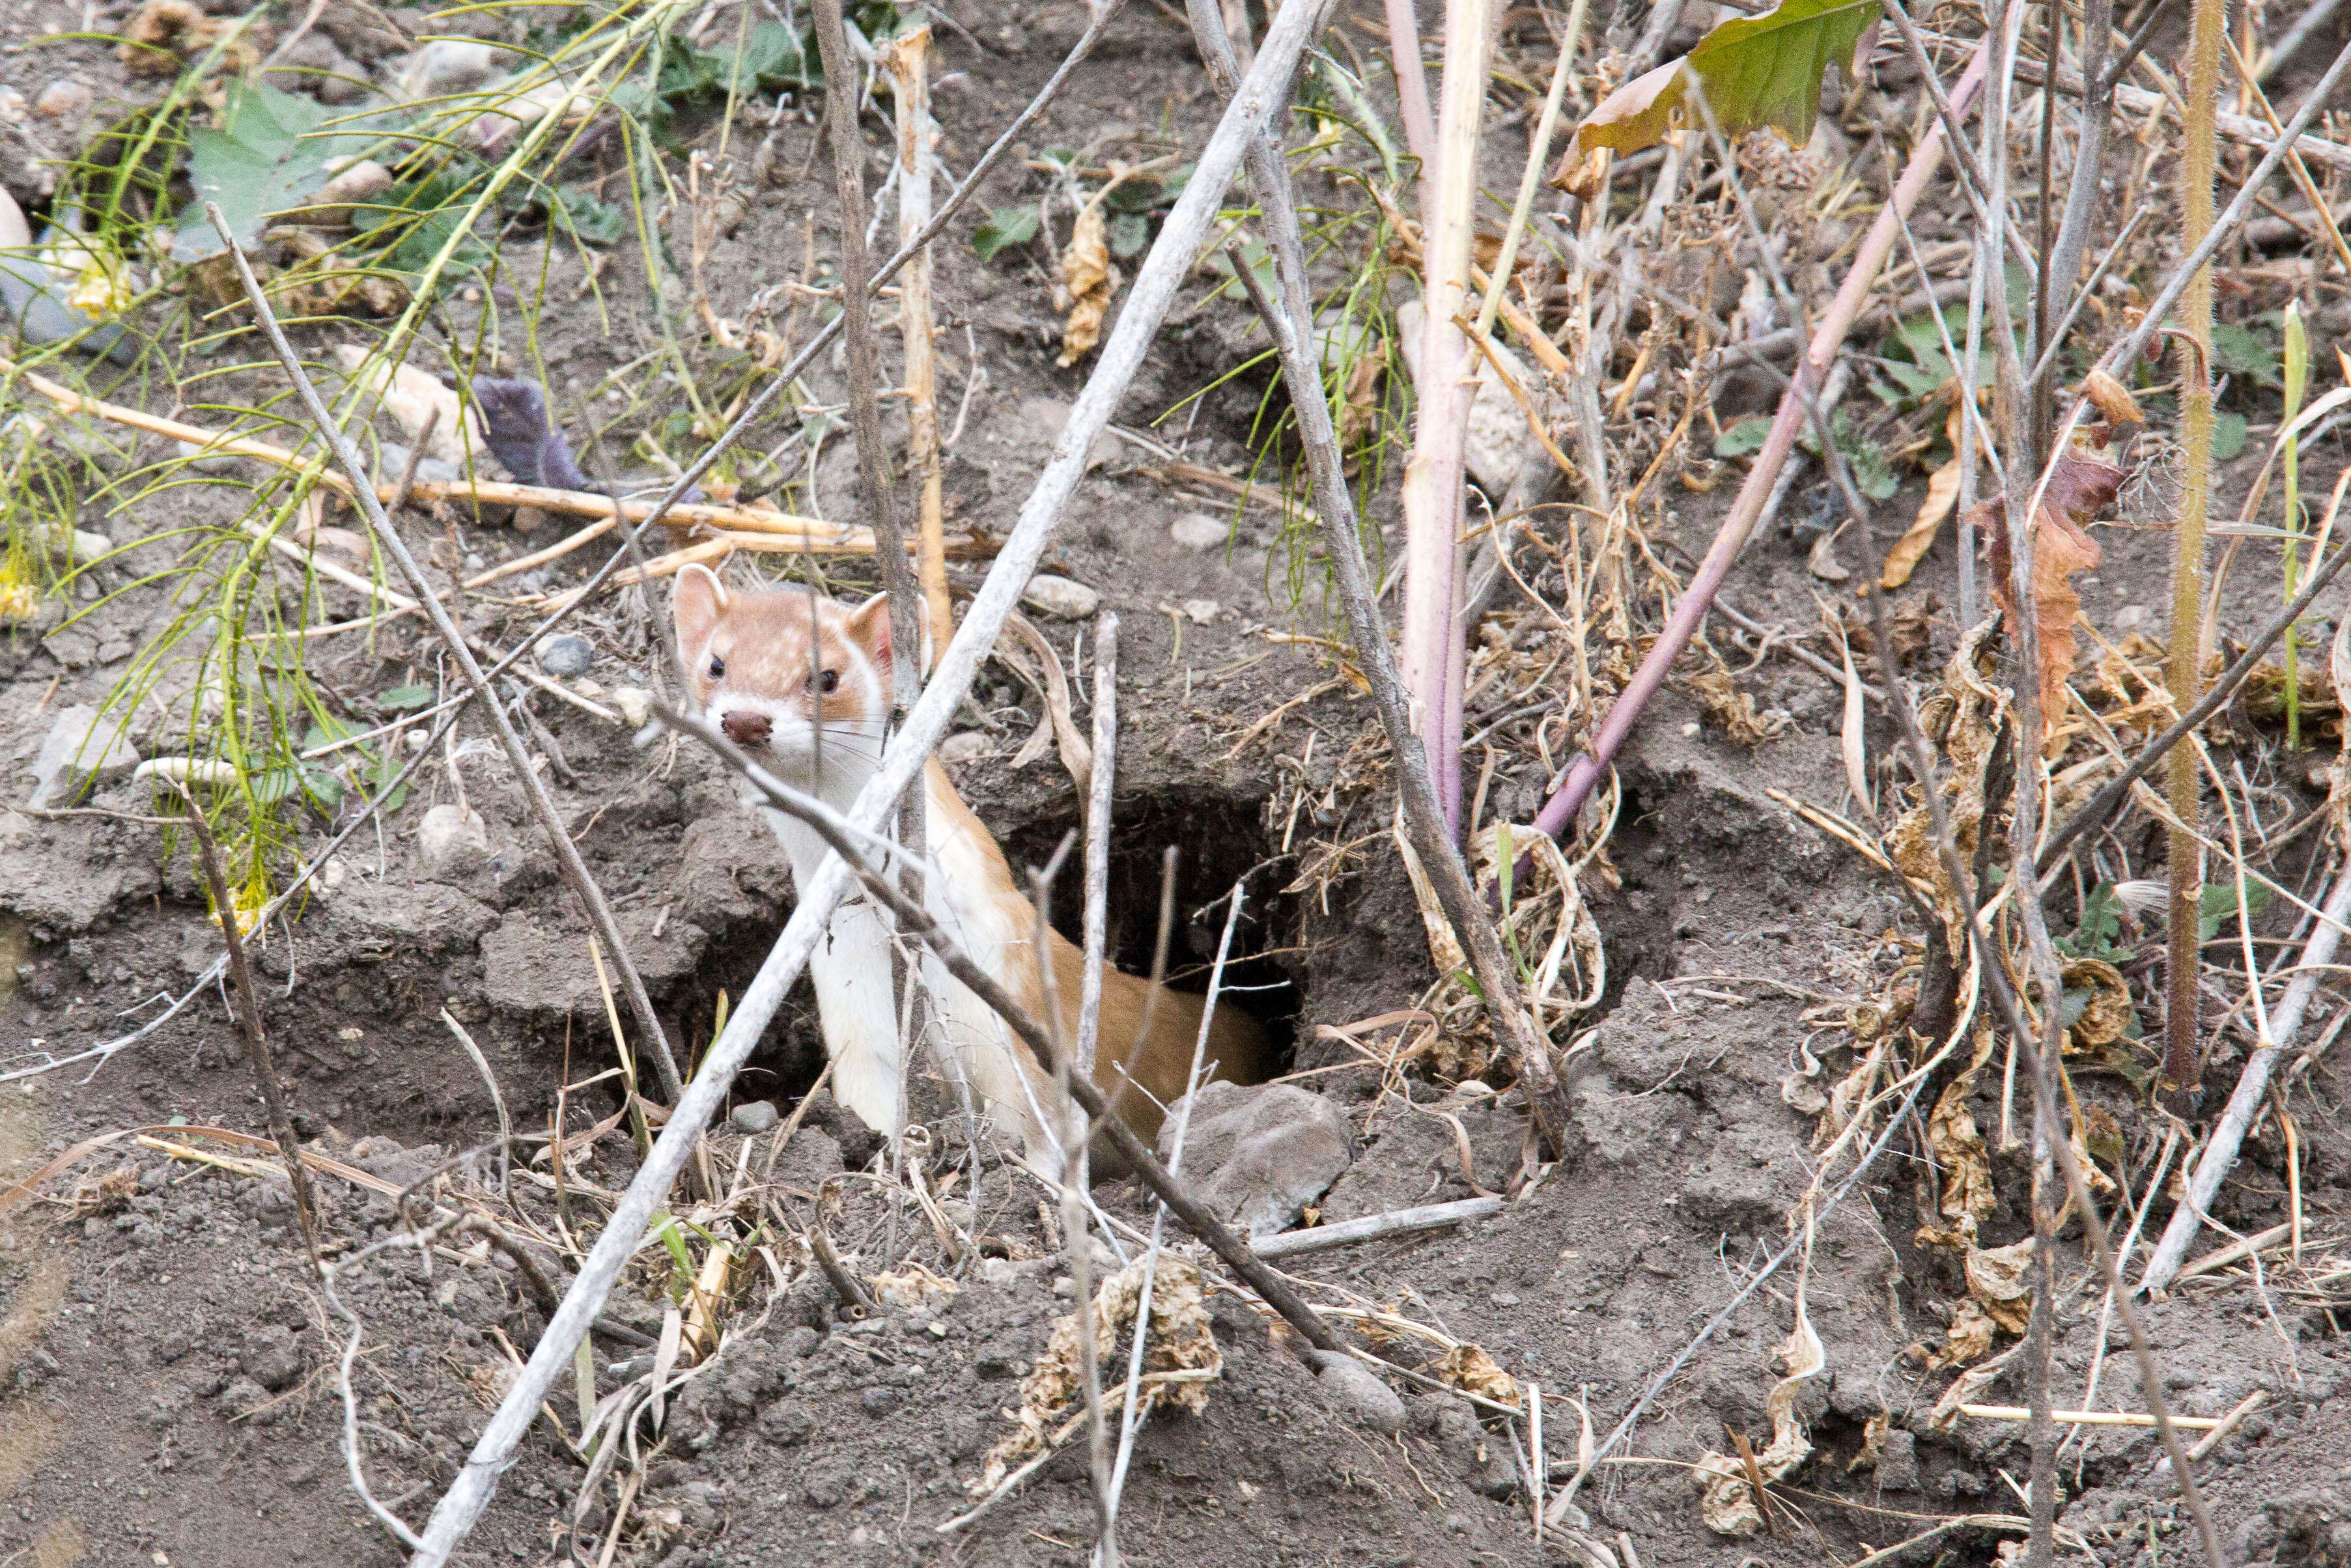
x,y
2080,487
1942,500
1086,285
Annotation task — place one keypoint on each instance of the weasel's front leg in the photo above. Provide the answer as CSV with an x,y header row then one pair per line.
x,y
852,972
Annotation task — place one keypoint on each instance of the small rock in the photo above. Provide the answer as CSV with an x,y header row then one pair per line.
x,y
566,655
452,840
358,181
90,546
1259,1156
82,751
270,1357
243,1399
1898,1461
1200,611
1060,596
964,746
1357,1391
63,100
878,1401
2130,617
528,520
1197,530
756,1116
204,461
635,704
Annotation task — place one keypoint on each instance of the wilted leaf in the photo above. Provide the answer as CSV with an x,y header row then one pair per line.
x,y
2099,1008
913,1289
2080,487
1183,1357
1466,1366
1087,283
1997,1281
161,34
1968,1200
2112,399
1728,1499
1755,72
1969,1339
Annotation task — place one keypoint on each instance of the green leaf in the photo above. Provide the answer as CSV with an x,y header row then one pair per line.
x,y
1129,233
266,157
2217,905
1005,226
402,697
592,222
774,56
1754,71
2245,352
1744,437
415,220
2101,922
2228,437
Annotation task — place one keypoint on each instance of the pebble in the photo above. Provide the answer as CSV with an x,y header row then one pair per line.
x,y
1060,596
82,751
635,704
203,461
452,840
1357,1391
1197,530
63,100
1200,611
963,747
566,655
756,1117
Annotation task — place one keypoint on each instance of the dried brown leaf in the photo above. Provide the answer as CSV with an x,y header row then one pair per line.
x,y
1087,282
2112,399
1727,1496
1942,500
2106,1017
1466,1366
2080,487
161,34
1997,1281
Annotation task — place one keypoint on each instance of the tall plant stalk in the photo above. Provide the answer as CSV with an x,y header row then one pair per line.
x,y
2183,674
1434,653
2297,382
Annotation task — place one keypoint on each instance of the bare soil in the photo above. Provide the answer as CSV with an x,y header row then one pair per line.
x,y
167,1362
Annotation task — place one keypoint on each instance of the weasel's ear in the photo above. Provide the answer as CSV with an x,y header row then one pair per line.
x,y
696,603
869,629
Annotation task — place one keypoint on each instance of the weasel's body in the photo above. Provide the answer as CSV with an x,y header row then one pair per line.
x,y
803,683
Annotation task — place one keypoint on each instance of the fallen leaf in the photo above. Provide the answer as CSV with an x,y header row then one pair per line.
x,y
1086,285
1998,1280
161,34
2106,1012
1968,1200
1942,500
1727,1496
2080,487
1854,739
1466,1366
2111,398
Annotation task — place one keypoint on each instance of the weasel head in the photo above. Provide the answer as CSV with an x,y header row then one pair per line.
x,y
798,680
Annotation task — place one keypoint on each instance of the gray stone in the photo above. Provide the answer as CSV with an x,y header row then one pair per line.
x,y
756,1117
565,656
270,1357
83,749
451,840
1259,1156
1356,1390
1197,530
1897,1462
1060,596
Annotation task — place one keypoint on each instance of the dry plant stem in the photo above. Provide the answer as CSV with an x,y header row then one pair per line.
x,y
1098,815
1099,20
1434,650
2102,805
1202,1221
1586,771
2065,262
2011,1012
248,1024
906,609
2251,1092
908,59
2183,671
1156,281
542,805
1431,839
1412,90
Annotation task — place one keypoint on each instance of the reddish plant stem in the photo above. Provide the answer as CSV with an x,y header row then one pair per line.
x,y
1586,770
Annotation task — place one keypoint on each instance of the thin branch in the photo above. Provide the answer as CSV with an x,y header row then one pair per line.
x,y
248,1024
534,788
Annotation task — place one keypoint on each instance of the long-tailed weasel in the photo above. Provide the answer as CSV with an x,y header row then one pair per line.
x,y
802,683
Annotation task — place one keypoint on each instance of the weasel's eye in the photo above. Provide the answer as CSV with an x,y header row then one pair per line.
x,y
829,682
717,668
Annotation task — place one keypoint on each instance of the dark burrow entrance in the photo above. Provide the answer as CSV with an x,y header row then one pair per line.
x,y
1218,840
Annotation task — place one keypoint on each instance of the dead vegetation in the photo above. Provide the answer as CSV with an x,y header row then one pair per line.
x,y
1891,293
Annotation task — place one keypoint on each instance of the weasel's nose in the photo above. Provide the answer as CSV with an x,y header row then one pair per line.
x,y
746,728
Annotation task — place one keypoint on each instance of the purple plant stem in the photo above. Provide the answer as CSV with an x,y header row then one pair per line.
x,y
1586,772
